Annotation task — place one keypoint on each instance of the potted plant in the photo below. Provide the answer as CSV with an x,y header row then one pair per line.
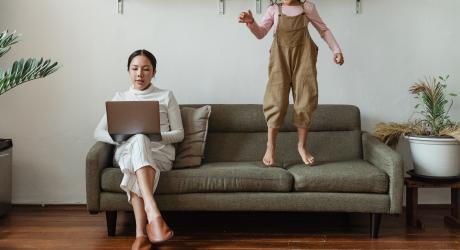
x,y
433,137
20,72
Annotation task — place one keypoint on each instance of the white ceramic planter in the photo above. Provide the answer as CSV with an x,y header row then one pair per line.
x,y
435,156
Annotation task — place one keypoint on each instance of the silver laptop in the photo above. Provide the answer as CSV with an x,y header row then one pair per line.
x,y
127,118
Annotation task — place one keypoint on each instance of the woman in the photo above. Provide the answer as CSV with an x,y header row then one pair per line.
x,y
140,159
292,64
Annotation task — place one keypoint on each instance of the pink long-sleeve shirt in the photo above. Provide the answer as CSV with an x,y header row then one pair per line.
x,y
271,19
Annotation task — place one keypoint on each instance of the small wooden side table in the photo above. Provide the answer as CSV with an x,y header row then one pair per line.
x,y
412,186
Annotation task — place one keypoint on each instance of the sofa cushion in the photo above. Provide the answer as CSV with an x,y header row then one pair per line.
x,y
325,146
212,178
355,176
250,118
238,132
190,151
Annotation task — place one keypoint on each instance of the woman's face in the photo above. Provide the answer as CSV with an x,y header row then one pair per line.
x,y
141,72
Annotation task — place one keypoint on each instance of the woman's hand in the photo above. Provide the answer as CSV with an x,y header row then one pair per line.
x,y
338,58
246,17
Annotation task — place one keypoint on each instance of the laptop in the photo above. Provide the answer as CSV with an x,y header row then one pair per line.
x,y
127,118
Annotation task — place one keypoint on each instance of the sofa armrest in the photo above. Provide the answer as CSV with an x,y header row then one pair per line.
x,y
390,161
99,157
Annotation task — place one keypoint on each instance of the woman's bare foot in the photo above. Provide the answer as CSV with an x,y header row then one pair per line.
x,y
307,157
269,157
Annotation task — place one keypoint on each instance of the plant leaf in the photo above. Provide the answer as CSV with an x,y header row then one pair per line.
x,y
26,70
7,40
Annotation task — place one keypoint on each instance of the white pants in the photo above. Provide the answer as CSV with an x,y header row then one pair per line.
x,y
136,153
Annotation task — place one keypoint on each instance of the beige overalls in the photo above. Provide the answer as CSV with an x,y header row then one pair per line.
x,y
293,57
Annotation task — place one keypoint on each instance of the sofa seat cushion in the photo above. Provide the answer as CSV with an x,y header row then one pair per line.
x,y
354,176
218,177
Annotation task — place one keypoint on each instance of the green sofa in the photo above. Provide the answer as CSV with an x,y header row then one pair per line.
x,y
355,171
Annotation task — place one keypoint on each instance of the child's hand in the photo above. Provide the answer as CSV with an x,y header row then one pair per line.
x,y
246,17
338,58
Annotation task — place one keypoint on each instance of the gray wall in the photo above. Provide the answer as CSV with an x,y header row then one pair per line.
x,y
205,58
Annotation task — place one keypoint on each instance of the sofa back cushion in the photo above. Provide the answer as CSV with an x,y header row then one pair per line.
x,y
238,132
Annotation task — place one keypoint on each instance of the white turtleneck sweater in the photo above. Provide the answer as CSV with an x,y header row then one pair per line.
x,y
172,130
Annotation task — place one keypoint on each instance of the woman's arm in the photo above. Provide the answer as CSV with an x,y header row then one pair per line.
x,y
176,134
101,132
320,26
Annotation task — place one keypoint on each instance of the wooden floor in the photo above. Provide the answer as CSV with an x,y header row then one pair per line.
x,y
71,227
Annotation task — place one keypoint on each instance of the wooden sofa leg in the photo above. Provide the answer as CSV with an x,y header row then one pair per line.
x,y
375,225
111,218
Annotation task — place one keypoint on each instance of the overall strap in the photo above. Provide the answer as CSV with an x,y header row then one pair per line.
x,y
280,10
304,13
303,7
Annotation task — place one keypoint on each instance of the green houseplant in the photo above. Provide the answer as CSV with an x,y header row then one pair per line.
x,y
21,71
433,137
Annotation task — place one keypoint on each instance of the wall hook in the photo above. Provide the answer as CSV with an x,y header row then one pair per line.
x,y
358,7
221,7
258,6
120,6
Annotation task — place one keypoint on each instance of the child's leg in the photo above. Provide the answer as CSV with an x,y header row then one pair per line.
x,y
276,98
305,102
269,157
276,102
305,94
307,157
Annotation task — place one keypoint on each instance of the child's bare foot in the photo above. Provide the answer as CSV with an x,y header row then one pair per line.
x,y
307,158
269,157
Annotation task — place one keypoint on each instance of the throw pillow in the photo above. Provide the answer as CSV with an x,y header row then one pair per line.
x,y
190,151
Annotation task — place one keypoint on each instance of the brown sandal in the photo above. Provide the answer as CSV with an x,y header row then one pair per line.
x,y
158,231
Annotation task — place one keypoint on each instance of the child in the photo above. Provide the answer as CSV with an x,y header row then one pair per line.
x,y
292,64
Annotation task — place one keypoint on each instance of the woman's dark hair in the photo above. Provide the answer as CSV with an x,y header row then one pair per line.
x,y
143,52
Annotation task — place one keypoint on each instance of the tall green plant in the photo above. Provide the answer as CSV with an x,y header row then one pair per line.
x,y
433,107
23,70
434,104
